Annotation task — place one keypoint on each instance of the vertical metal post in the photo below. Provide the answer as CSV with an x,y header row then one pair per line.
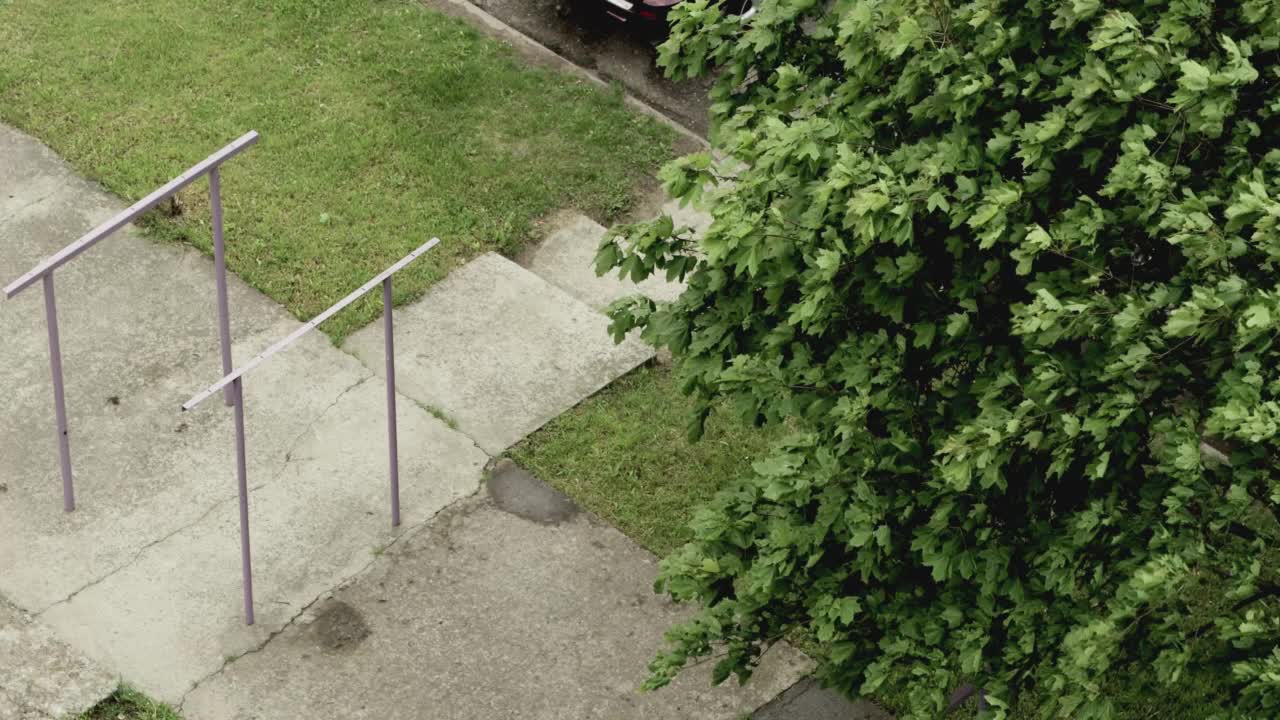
x,y
392,442
59,395
220,277
242,475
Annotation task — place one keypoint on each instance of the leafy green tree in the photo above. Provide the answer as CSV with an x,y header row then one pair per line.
x,y
1008,271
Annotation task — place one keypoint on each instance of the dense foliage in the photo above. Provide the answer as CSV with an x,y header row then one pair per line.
x,y
1008,270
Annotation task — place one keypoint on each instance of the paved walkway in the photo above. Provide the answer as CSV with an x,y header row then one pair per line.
x,y
40,676
493,600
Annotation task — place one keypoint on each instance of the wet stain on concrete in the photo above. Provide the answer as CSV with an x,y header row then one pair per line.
x,y
339,626
517,491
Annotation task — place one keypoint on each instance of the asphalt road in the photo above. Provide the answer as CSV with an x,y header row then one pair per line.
x,y
580,31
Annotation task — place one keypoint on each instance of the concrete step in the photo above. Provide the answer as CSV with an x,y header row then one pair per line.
x,y
510,606
567,259
319,515
144,576
499,351
688,215
41,678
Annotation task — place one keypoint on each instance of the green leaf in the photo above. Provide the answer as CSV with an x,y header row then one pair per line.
x,y
1257,316
1195,76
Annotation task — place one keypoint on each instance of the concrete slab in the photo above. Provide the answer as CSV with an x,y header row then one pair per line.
x,y
486,615
144,575
172,617
138,332
567,259
688,215
807,700
500,351
40,677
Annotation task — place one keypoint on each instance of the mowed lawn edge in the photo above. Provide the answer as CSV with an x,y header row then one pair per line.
x,y
383,123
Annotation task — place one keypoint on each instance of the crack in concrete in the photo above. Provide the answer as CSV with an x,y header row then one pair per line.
x,y
402,537
27,206
474,444
137,555
255,649
297,440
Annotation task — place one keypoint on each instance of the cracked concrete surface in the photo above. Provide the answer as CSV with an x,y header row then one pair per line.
x,y
500,350
40,677
144,576
487,615
314,527
555,614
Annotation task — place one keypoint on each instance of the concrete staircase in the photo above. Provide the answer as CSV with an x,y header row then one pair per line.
x,y
511,604
144,576
500,349
143,579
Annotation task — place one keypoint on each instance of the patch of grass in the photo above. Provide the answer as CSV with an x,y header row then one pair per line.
x,y
383,124
622,455
129,704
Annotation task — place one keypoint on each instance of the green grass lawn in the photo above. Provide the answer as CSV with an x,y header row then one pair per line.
x,y
129,704
383,123
622,455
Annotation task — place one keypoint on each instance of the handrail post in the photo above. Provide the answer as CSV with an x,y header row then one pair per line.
x,y
392,442
43,271
59,394
242,478
220,277
232,381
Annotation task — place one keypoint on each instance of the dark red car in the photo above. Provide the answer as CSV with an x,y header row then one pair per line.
x,y
653,13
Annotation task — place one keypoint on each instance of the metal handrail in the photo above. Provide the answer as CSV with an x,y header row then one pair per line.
x,y
309,326
44,270
129,214
232,383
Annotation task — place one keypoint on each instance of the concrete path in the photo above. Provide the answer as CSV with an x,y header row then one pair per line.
x,y
144,577
500,351
39,675
567,259
511,606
